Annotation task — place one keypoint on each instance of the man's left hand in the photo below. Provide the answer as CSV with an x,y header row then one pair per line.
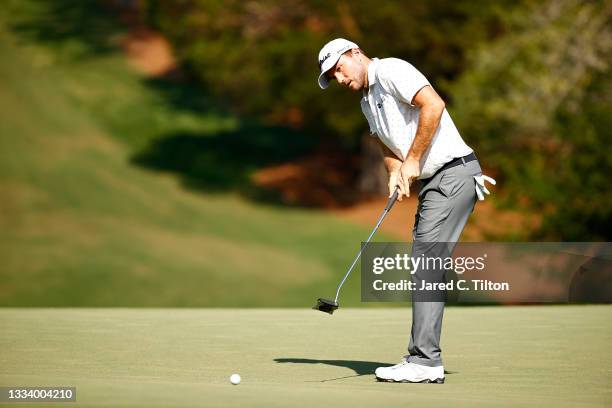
x,y
410,171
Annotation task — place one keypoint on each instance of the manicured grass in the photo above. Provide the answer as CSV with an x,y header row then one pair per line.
x,y
494,356
82,225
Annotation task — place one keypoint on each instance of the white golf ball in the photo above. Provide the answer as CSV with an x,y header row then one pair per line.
x,y
235,379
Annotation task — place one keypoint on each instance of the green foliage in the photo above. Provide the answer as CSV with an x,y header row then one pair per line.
x,y
537,104
527,82
262,56
581,177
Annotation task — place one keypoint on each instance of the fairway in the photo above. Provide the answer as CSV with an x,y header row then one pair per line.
x,y
177,190
504,356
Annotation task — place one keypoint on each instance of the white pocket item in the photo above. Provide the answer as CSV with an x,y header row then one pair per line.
x,y
481,189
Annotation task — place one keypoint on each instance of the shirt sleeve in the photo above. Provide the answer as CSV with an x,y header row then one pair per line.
x,y
401,79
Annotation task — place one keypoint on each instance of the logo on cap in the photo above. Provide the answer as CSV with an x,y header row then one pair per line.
x,y
322,60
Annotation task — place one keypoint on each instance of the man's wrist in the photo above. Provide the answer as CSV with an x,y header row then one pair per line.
x,y
392,164
394,168
413,157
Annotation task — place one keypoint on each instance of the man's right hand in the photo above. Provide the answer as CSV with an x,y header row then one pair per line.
x,y
394,183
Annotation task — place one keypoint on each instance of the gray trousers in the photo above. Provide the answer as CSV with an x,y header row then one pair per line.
x,y
445,203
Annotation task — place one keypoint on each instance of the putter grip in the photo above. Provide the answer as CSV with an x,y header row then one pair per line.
x,y
392,200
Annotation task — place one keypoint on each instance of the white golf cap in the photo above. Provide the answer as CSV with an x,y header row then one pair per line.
x,y
330,54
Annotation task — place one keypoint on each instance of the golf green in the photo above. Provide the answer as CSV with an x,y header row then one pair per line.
x,y
494,356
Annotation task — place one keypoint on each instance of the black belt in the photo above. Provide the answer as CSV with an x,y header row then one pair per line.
x,y
453,163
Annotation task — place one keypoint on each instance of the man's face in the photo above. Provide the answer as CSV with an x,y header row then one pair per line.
x,y
349,71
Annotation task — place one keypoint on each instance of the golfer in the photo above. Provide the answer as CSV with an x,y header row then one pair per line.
x,y
420,142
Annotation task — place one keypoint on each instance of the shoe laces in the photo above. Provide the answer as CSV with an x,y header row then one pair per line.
x,y
401,363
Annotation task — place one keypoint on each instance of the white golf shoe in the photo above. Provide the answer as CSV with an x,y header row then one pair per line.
x,y
410,372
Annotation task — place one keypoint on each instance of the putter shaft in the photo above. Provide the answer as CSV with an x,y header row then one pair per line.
x,y
390,203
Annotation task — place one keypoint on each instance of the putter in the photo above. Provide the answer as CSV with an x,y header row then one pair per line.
x,y
329,306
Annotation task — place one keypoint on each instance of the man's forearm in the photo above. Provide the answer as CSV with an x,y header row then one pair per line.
x,y
429,120
392,162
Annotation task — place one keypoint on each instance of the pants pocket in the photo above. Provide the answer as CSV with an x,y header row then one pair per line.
x,y
448,184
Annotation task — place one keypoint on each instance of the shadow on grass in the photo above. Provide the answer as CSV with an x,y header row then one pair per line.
x,y
213,159
225,161
359,367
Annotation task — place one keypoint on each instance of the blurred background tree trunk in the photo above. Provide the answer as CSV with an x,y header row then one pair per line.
x,y
373,175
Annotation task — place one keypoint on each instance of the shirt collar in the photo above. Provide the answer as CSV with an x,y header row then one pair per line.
x,y
372,72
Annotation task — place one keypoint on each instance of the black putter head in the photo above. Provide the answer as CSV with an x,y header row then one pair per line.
x,y
326,305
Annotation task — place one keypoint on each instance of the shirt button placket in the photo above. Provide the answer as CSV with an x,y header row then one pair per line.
x,y
374,113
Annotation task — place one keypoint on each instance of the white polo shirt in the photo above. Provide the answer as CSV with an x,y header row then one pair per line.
x,y
387,105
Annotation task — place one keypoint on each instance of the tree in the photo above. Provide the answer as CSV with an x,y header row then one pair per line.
x,y
537,104
261,55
